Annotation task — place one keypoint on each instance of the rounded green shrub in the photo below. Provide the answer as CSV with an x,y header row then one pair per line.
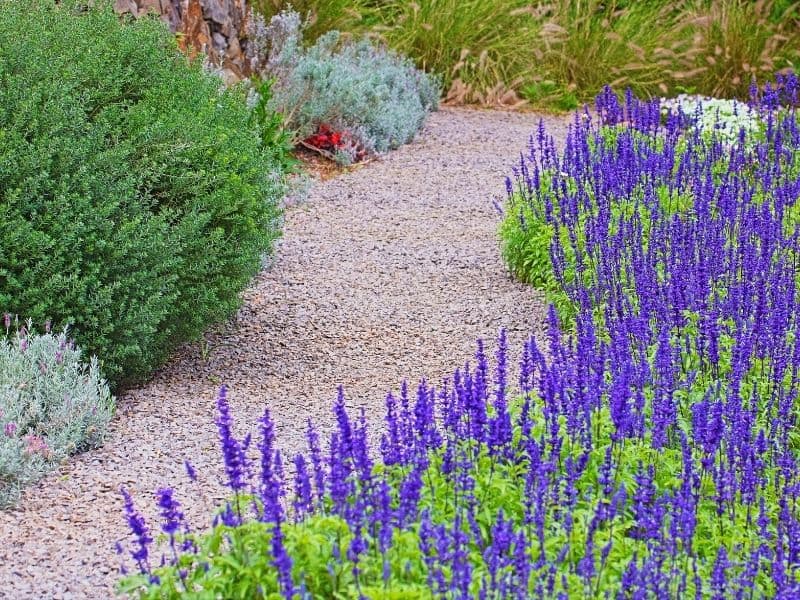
x,y
137,198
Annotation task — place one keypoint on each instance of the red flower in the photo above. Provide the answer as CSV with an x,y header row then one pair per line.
x,y
326,138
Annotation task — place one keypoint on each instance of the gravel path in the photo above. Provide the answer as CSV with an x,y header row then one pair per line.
x,y
390,271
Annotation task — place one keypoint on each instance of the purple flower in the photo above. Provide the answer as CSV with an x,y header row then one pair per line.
x,y
303,502
190,470
719,575
282,562
10,429
141,535
232,450
316,461
170,511
172,516
409,497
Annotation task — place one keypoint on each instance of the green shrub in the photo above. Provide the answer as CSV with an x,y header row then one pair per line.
x,y
52,404
137,200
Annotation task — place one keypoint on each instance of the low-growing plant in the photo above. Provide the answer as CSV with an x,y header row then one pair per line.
x,y
53,403
716,117
339,145
372,93
137,197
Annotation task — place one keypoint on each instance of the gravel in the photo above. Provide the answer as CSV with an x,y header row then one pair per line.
x,y
387,272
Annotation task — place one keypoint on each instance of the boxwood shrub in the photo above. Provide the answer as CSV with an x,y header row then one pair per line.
x,y
136,198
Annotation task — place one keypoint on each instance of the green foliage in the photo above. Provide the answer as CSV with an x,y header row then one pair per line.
x,y
53,404
136,200
475,45
588,43
276,139
551,94
526,240
240,562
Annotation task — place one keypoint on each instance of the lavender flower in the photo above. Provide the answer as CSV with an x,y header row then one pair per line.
x,y
172,516
141,535
232,449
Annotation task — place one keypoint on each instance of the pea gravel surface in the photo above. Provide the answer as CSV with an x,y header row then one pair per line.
x,y
389,272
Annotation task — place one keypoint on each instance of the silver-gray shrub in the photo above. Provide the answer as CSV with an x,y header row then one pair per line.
x,y
52,404
375,94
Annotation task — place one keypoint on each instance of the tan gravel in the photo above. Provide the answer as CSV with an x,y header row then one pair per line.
x,y
387,272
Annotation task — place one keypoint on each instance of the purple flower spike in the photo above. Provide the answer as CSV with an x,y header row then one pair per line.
x,y
172,517
232,449
138,527
190,471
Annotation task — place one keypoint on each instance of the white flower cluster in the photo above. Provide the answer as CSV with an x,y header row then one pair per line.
x,y
721,117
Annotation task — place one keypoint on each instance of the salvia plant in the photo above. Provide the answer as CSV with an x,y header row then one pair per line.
x,y
53,403
373,94
647,449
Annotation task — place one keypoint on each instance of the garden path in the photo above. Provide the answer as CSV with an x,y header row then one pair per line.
x,y
389,271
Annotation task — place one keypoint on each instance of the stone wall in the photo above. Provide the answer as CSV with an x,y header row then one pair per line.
x,y
215,27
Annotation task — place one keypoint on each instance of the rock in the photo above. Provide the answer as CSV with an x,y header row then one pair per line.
x,y
216,28
220,41
218,11
126,6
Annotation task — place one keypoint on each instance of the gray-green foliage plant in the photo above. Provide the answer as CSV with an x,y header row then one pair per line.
x,y
374,94
52,404
136,196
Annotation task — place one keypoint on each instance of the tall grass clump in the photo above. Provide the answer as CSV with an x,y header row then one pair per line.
x,y
734,41
137,197
650,450
585,43
480,49
53,403
557,54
